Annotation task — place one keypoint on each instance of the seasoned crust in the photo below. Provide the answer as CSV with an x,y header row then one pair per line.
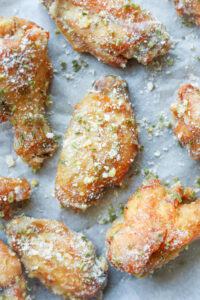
x,y
112,30
12,191
63,260
12,281
99,145
189,9
25,74
186,114
157,225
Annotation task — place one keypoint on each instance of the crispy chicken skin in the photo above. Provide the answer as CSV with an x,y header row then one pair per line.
x,y
99,146
12,191
12,281
25,74
189,9
157,225
112,30
63,260
186,114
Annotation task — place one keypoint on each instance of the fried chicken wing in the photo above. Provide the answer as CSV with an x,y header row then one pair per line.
x,y
12,191
99,145
157,225
12,281
112,30
189,9
25,74
186,113
63,260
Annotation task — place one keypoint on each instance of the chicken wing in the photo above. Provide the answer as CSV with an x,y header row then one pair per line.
x,y
189,9
63,260
157,225
12,191
25,74
99,145
112,30
186,113
12,281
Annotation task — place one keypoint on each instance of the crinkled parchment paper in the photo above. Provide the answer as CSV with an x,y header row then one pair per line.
x,y
152,90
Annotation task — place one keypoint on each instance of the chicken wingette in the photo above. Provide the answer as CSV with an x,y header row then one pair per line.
x,y
99,145
63,260
112,30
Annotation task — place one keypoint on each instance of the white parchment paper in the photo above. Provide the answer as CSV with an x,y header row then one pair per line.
x,y
180,279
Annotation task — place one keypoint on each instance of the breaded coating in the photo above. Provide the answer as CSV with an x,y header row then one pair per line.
x,y
186,114
12,281
12,191
63,260
99,145
157,225
112,30
189,9
25,74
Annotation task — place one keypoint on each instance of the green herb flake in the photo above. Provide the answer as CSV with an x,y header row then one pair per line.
x,y
176,196
112,214
82,266
75,145
127,6
118,42
84,13
158,32
20,140
63,65
57,31
170,62
31,82
130,122
11,198
141,148
151,44
2,214
13,108
76,66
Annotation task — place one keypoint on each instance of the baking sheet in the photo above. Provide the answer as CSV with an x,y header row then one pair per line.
x,y
179,279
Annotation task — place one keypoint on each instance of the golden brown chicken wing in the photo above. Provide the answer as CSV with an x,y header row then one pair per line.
x,y
189,9
12,281
12,191
25,73
99,145
63,260
186,113
157,225
112,30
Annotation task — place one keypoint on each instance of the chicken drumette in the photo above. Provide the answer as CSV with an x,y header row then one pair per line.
x,y
12,192
12,281
25,74
157,225
189,9
186,113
